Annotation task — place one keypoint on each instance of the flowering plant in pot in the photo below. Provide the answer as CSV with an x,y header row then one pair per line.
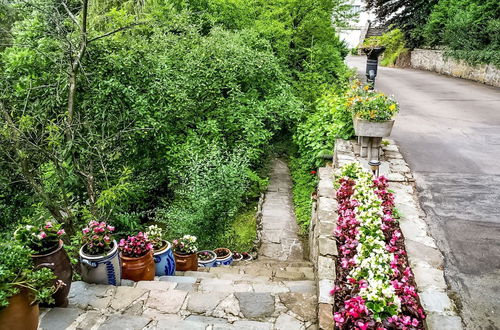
x,y
137,258
48,249
224,257
99,258
22,286
237,256
185,253
163,255
373,112
206,258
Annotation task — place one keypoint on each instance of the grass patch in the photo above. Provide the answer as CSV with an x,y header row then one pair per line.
x,y
244,230
304,183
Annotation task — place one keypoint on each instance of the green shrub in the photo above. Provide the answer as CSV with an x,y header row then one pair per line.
x,y
208,197
468,29
17,272
394,43
315,136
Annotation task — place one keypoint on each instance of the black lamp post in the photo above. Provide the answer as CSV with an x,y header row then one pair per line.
x,y
372,55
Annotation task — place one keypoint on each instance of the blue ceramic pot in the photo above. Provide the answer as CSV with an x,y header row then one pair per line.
x,y
164,261
101,269
207,263
224,261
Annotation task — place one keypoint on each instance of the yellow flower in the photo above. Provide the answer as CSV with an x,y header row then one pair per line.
x,y
366,87
372,114
392,107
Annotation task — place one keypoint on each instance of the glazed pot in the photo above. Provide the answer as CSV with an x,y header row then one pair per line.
x,y
207,263
226,260
59,262
368,128
101,269
185,262
164,260
237,256
138,269
20,314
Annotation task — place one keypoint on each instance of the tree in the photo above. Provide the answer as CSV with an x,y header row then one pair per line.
x,y
409,16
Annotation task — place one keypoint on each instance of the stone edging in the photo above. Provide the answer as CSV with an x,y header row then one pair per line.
x,y
424,257
258,220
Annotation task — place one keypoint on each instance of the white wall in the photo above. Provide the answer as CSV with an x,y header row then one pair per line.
x,y
352,34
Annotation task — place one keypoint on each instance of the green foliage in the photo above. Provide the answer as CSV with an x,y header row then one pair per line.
x,y
394,43
409,16
304,183
468,28
315,136
17,272
244,230
208,198
173,113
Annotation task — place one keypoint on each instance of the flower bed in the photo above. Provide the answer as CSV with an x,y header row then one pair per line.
x,y
374,288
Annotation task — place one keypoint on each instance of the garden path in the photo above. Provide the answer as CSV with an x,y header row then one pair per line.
x,y
276,292
279,233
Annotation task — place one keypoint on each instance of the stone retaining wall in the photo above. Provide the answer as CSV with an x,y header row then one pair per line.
x,y
434,60
424,257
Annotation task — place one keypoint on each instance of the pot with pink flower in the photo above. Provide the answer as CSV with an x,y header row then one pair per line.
x,y
99,259
137,258
48,251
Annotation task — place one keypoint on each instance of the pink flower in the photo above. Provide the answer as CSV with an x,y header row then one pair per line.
x,y
111,228
48,225
107,239
43,235
362,326
122,242
338,318
61,232
86,230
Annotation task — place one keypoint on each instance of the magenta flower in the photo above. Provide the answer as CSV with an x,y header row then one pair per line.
x,y
61,232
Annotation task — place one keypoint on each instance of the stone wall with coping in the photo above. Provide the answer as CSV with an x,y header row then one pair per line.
x,y
434,60
424,257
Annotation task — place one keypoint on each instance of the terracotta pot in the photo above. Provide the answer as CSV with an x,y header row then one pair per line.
x,y
58,261
138,269
185,262
20,314
101,269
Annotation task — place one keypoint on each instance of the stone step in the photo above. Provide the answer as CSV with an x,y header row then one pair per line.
x,y
153,304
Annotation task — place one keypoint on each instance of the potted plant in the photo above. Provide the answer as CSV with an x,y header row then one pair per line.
x,y
247,256
163,255
237,256
185,253
48,250
206,258
137,258
99,258
373,112
224,257
22,287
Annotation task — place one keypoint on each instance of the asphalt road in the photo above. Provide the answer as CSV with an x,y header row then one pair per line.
x,y
449,132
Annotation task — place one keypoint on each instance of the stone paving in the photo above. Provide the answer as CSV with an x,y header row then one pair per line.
x,y
249,295
277,291
279,228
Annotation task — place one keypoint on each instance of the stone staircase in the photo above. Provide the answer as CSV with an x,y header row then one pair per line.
x,y
261,294
277,291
